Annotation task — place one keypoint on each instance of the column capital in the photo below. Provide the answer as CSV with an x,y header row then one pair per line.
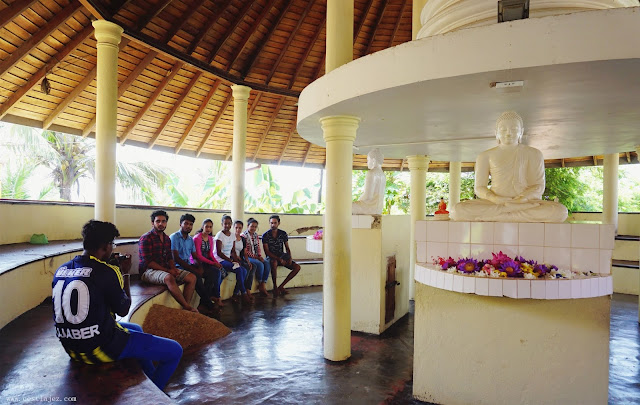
x,y
107,32
418,162
339,127
240,92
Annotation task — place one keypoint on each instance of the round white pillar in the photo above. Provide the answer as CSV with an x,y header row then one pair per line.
x,y
418,166
108,37
416,11
455,169
339,133
240,102
610,189
339,33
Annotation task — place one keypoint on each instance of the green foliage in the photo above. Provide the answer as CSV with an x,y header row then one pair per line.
x,y
577,188
396,199
14,181
263,195
215,193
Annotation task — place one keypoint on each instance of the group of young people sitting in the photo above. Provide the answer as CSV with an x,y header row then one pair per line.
x,y
203,261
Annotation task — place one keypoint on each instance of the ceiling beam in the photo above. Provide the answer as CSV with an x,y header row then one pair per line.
x,y
174,109
232,27
69,99
183,19
42,72
628,155
562,163
251,60
15,9
395,29
154,96
76,92
58,19
197,115
125,85
289,40
403,160
226,77
314,39
214,123
306,154
292,131
385,3
146,19
243,43
595,160
266,131
203,33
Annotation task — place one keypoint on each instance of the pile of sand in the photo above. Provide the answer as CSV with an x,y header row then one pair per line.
x,y
187,328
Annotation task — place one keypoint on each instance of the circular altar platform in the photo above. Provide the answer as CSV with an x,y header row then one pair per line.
x,y
434,95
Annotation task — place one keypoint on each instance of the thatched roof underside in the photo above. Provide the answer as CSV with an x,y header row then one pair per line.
x,y
177,61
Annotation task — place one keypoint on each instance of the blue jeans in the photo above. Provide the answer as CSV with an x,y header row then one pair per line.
x,y
149,348
215,275
241,275
263,268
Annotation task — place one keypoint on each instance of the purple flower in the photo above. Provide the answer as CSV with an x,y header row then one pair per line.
x,y
467,265
511,267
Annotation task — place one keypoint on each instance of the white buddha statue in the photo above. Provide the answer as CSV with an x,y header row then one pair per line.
x,y
517,181
372,199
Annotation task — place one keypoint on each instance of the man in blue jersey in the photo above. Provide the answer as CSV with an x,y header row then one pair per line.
x,y
87,291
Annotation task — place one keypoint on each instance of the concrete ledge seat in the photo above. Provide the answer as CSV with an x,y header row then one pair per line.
x,y
34,368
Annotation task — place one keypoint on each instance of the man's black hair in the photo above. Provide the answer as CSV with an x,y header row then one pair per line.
x,y
274,216
187,217
158,213
97,233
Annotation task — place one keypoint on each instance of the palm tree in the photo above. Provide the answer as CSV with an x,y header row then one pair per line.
x,y
71,158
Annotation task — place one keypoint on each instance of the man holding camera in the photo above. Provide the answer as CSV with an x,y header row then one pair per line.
x,y
87,291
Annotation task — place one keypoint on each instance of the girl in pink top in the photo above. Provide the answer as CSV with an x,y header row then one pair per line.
x,y
205,245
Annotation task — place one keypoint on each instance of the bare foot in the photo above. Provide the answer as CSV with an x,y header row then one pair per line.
x,y
263,290
282,291
246,298
192,309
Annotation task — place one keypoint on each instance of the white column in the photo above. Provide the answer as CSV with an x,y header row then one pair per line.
x,y
418,166
108,37
339,33
418,5
455,169
339,133
240,102
610,189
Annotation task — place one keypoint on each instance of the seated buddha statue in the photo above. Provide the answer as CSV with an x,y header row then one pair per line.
x,y
442,207
372,199
517,181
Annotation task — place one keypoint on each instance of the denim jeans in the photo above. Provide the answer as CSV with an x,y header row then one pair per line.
x,y
149,348
263,269
241,275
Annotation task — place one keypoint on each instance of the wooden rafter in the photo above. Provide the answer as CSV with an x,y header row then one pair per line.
x,y
306,154
214,123
146,19
198,39
183,19
562,163
403,161
252,108
254,56
266,131
174,109
595,160
197,115
14,10
41,73
628,155
232,27
125,85
77,91
289,40
314,39
58,19
395,29
292,131
152,99
385,3
69,99
243,43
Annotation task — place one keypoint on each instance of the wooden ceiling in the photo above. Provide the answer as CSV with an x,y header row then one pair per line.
x,y
177,61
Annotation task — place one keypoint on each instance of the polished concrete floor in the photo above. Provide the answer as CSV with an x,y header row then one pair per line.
x,y
274,355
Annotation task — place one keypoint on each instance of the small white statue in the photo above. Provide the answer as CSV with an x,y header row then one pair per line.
x,y
517,181
372,199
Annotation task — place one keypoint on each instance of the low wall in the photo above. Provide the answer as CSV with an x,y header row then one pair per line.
x,y
63,221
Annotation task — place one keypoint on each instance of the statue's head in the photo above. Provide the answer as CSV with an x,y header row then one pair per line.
x,y
509,128
374,159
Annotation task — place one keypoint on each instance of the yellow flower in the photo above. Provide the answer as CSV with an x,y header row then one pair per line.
x,y
526,267
503,274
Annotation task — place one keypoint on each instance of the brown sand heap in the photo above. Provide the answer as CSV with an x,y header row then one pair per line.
x,y
187,328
